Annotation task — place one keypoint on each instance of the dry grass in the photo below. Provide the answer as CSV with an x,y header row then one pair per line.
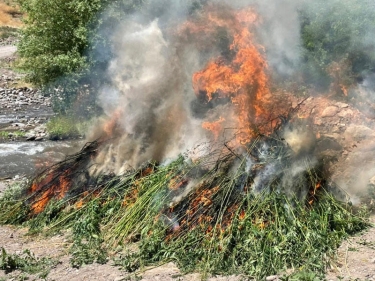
x,y
10,14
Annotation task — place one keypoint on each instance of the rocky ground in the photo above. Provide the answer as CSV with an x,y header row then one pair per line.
x,y
23,111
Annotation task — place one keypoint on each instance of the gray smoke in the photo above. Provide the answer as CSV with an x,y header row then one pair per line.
x,y
150,100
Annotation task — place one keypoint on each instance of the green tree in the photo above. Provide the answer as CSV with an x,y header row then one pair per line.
x,y
337,30
55,37
59,47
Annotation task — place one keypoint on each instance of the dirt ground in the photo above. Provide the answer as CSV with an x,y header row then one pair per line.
x,y
6,51
15,241
355,260
10,14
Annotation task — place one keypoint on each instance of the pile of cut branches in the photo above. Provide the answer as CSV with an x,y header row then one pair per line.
x,y
223,213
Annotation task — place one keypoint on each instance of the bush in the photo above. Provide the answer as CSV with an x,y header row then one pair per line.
x,y
55,37
337,31
62,127
60,44
7,31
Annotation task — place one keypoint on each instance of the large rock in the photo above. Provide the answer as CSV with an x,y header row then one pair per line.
x,y
31,138
359,133
330,111
346,113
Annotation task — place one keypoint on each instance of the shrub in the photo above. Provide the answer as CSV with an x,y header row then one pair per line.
x,y
62,127
337,31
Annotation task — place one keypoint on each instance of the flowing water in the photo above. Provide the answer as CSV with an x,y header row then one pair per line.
x,y
25,158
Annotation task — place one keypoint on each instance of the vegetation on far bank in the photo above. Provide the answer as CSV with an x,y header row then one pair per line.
x,y
14,134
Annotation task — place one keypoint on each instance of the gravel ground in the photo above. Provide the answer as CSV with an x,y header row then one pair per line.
x,y
6,51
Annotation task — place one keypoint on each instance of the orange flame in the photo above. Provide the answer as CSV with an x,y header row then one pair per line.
x,y
42,202
58,190
109,127
313,192
241,78
242,215
214,127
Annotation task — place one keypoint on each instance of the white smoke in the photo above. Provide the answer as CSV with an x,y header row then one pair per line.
x,y
150,94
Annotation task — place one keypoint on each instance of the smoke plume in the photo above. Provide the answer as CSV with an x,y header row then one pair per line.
x,y
190,72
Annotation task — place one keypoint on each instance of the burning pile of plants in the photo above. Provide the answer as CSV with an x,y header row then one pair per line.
x,y
222,213
251,198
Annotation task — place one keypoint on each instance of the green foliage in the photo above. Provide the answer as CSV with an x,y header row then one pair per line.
x,y
7,31
27,262
334,31
87,245
55,37
15,134
12,205
62,127
130,262
65,46
302,276
294,238
264,234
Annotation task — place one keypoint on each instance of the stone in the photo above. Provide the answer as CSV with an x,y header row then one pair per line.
x,y
345,113
342,104
18,125
330,111
327,143
359,132
38,138
31,138
318,121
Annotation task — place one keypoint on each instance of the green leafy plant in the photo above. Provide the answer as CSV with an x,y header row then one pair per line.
x,y
62,127
303,276
15,134
60,44
217,227
7,31
130,262
27,262
87,239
